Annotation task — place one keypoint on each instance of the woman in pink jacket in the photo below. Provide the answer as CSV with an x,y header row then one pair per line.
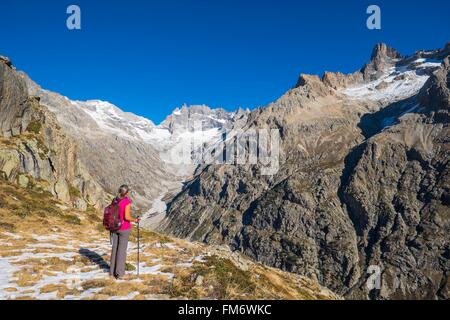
x,y
120,237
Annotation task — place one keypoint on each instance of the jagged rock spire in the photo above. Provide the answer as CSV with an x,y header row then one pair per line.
x,y
6,61
383,57
383,51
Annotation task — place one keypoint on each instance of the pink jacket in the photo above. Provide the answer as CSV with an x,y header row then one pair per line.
x,y
122,205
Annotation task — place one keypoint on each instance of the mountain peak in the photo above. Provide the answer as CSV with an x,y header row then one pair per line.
x,y
383,51
186,116
6,61
383,57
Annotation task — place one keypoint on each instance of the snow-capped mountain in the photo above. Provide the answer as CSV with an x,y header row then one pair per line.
x,y
183,125
182,122
120,147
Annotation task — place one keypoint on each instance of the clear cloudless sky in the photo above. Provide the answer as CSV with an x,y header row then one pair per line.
x,y
149,57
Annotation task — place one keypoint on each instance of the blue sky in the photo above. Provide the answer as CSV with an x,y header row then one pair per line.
x,y
149,57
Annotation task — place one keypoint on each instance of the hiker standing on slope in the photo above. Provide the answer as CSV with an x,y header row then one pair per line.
x,y
120,236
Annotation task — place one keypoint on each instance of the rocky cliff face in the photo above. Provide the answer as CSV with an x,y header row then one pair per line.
x,y
397,199
35,152
15,104
362,182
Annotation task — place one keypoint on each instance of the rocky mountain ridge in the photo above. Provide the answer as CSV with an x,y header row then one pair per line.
x,y
151,164
361,183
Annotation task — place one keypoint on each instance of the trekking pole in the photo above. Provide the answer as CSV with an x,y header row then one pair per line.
x,y
138,236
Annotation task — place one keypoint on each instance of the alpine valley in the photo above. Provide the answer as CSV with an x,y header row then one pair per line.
x,y
363,181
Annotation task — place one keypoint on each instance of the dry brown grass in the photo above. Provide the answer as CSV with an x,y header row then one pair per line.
x,y
27,277
122,289
61,289
54,264
8,253
96,283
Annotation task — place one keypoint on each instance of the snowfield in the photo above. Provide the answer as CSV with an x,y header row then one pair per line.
x,y
399,83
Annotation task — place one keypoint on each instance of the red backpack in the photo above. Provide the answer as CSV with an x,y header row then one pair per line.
x,y
111,216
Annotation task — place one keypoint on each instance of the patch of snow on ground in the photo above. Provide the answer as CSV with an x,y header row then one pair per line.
x,y
76,274
47,238
31,255
7,271
165,245
200,258
49,246
12,235
154,270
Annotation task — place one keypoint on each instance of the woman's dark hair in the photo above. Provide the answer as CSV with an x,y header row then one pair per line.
x,y
123,190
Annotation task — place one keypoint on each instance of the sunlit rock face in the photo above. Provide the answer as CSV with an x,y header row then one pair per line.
x,y
363,182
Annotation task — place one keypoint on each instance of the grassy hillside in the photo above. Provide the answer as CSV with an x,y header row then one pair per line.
x,y
51,251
